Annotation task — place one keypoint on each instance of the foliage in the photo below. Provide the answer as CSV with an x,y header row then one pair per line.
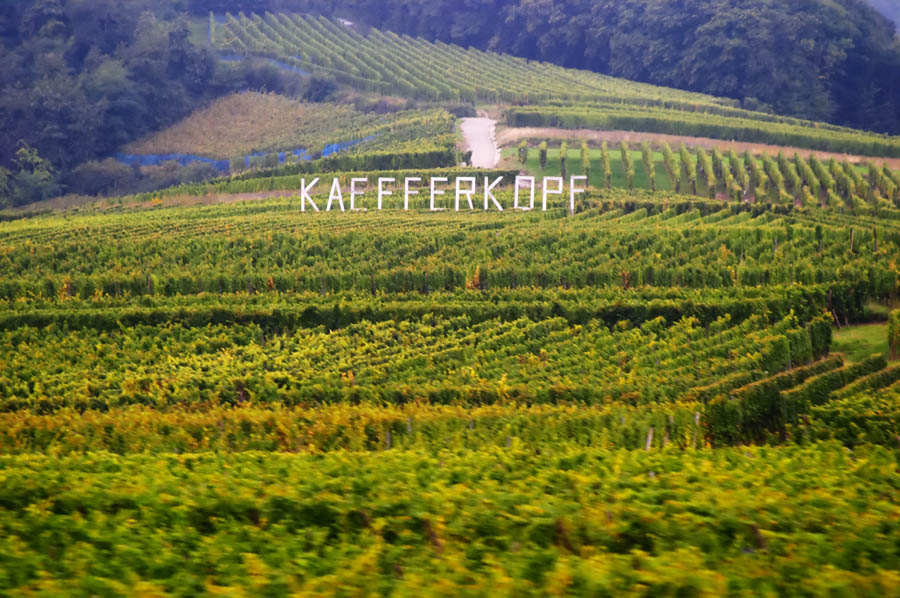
x,y
35,180
614,242
894,334
563,160
431,360
775,181
585,153
496,522
861,418
78,83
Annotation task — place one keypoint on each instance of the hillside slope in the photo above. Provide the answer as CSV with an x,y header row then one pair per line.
x,y
820,59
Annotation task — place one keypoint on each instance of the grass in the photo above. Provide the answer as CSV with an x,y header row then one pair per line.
x,y
859,342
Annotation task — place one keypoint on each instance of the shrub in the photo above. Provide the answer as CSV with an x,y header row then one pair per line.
x,y
586,160
99,178
607,166
523,152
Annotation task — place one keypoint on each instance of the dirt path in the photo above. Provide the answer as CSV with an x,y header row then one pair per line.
x,y
480,138
508,136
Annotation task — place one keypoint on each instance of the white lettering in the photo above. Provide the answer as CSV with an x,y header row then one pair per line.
x,y
489,195
382,192
548,191
407,192
531,185
335,194
304,194
573,190
435,192
468,193
354,193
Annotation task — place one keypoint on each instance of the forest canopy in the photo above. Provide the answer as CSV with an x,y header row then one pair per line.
x,y
80,78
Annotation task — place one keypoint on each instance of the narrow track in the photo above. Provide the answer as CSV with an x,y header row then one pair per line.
x,y
480,138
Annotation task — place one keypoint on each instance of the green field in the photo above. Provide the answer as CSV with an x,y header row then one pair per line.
x,y
858,342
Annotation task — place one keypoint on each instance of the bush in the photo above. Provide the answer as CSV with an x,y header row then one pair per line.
x,y
109,177
320,89
461,110
723,420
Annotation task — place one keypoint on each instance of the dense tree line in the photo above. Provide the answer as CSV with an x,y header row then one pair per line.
x,y
82,77
834,61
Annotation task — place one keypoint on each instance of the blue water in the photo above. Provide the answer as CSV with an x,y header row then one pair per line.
x,y
158,159
223,165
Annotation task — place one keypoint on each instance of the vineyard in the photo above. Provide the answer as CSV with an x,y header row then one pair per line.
x,y
541,402
617,241
332,374
803,182
385,63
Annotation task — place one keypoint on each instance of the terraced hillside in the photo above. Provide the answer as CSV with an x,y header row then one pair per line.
x,y
386,63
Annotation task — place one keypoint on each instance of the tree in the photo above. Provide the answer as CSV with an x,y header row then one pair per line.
x,y
586,160
5,177
811,58
320,89
894,334
563,159
36,180
523,152
542,154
